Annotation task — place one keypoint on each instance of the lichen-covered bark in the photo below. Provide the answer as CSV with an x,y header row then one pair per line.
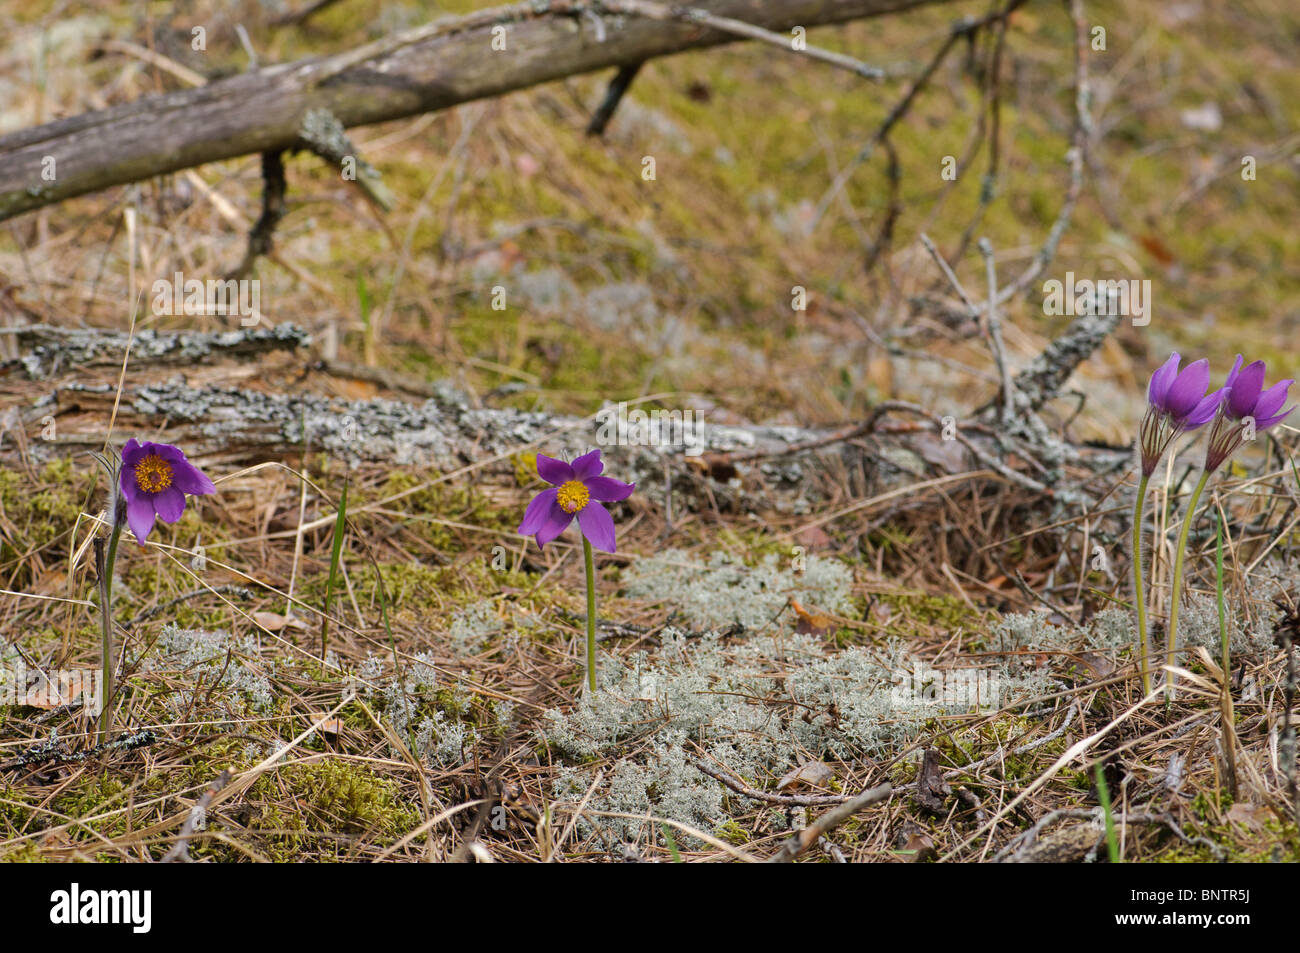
x,y
789,468
52,350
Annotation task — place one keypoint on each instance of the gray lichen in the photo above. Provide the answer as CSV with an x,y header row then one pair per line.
x,y
51,350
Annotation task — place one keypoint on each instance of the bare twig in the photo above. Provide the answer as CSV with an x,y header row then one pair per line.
x,y
303,14
180,851
618,87
786,800
995,331
662,11
962,28
262,237
832,819
1075,156
229,590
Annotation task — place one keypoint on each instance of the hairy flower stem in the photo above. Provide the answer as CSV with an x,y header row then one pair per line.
x,y
1180,553
1139,594
1225,662
591,614
105,568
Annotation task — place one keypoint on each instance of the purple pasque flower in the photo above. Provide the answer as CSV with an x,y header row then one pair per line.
x,y
1248,409
577,489
155,478
1176,403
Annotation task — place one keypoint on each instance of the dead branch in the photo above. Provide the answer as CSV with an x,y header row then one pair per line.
x,y
441,64
618,87
832,819
261,238
180,851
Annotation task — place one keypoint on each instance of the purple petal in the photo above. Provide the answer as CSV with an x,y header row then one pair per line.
x,y
126,480
588,465
1232,374
1161,379
169,503
1204,411
1245,390
191,479
555,523
140,516
168,451
133,451
537,511
1272,399
553,471
1270,421
1188,388
185,475
598,526
607,489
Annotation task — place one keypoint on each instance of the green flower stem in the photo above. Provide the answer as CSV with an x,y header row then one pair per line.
x,y
1139,594
591,614
1179,555
1225,694
106,623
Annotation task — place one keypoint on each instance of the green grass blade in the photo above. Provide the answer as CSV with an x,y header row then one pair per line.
x,y
1103,795
336,553
672,843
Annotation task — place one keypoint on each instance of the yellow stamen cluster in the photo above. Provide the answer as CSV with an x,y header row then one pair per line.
x,y
573,496
153,474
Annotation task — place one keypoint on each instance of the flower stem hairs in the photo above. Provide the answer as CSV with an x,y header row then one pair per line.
x,y
1176,403
577,491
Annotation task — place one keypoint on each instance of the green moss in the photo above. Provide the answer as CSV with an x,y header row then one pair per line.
x,y
917,612
731,832
331,797
987,736
95,794
27,853
39,516
14,814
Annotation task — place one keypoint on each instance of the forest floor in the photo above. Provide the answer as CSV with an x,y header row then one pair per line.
x,y
971,643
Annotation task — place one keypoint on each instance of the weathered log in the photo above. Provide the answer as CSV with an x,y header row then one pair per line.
x,y
445,63
751,466
49,350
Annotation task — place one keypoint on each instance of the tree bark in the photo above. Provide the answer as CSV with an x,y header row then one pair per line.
x,y
442,64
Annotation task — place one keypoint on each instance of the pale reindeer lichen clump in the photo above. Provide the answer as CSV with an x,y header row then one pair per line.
x,y
724,590
758,700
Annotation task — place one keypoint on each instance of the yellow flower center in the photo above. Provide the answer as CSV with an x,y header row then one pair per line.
x,y
153,474
573,496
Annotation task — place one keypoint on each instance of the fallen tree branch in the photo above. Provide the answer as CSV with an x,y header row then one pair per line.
x,y
441,64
